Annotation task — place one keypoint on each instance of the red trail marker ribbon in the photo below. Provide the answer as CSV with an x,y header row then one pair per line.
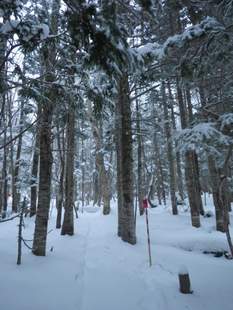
x,y
145,203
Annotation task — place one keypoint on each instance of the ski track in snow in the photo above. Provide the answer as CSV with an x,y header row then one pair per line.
x,y
95,270
81,272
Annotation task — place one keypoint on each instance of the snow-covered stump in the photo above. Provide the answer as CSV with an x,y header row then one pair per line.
x,y
185,285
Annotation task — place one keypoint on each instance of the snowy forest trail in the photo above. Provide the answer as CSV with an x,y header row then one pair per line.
x,y
95,270
111,279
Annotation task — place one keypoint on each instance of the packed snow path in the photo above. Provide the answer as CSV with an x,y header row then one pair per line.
x,y
95,270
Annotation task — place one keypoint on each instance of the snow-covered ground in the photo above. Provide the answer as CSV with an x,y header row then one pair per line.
x,y
95,270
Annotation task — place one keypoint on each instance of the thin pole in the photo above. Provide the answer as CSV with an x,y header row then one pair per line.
x,y
20,232
145,205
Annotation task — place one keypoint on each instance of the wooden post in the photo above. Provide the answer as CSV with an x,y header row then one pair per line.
x,y
145,206
185,286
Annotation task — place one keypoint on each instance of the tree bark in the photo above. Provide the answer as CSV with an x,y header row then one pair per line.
x,y
118,134
170,157
218,200
161,193
68,221
193,188
140,185
34,175
46,160
191,167
104,185
60,193
40,234
4,178
15,187
127,212
179,182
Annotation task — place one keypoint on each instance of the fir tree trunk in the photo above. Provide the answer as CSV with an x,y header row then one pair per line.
x,y
196,164
127,212
4,178
15,187
60,193
161,193
48,55
106,192
191,168
96,185
179,182
104,185
82,171
215,184
193,188
34,175
3,48
170,157
140,185
68,221
118,133
40,234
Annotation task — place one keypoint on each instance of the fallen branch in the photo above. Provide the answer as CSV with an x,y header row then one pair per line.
x,y
9,219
